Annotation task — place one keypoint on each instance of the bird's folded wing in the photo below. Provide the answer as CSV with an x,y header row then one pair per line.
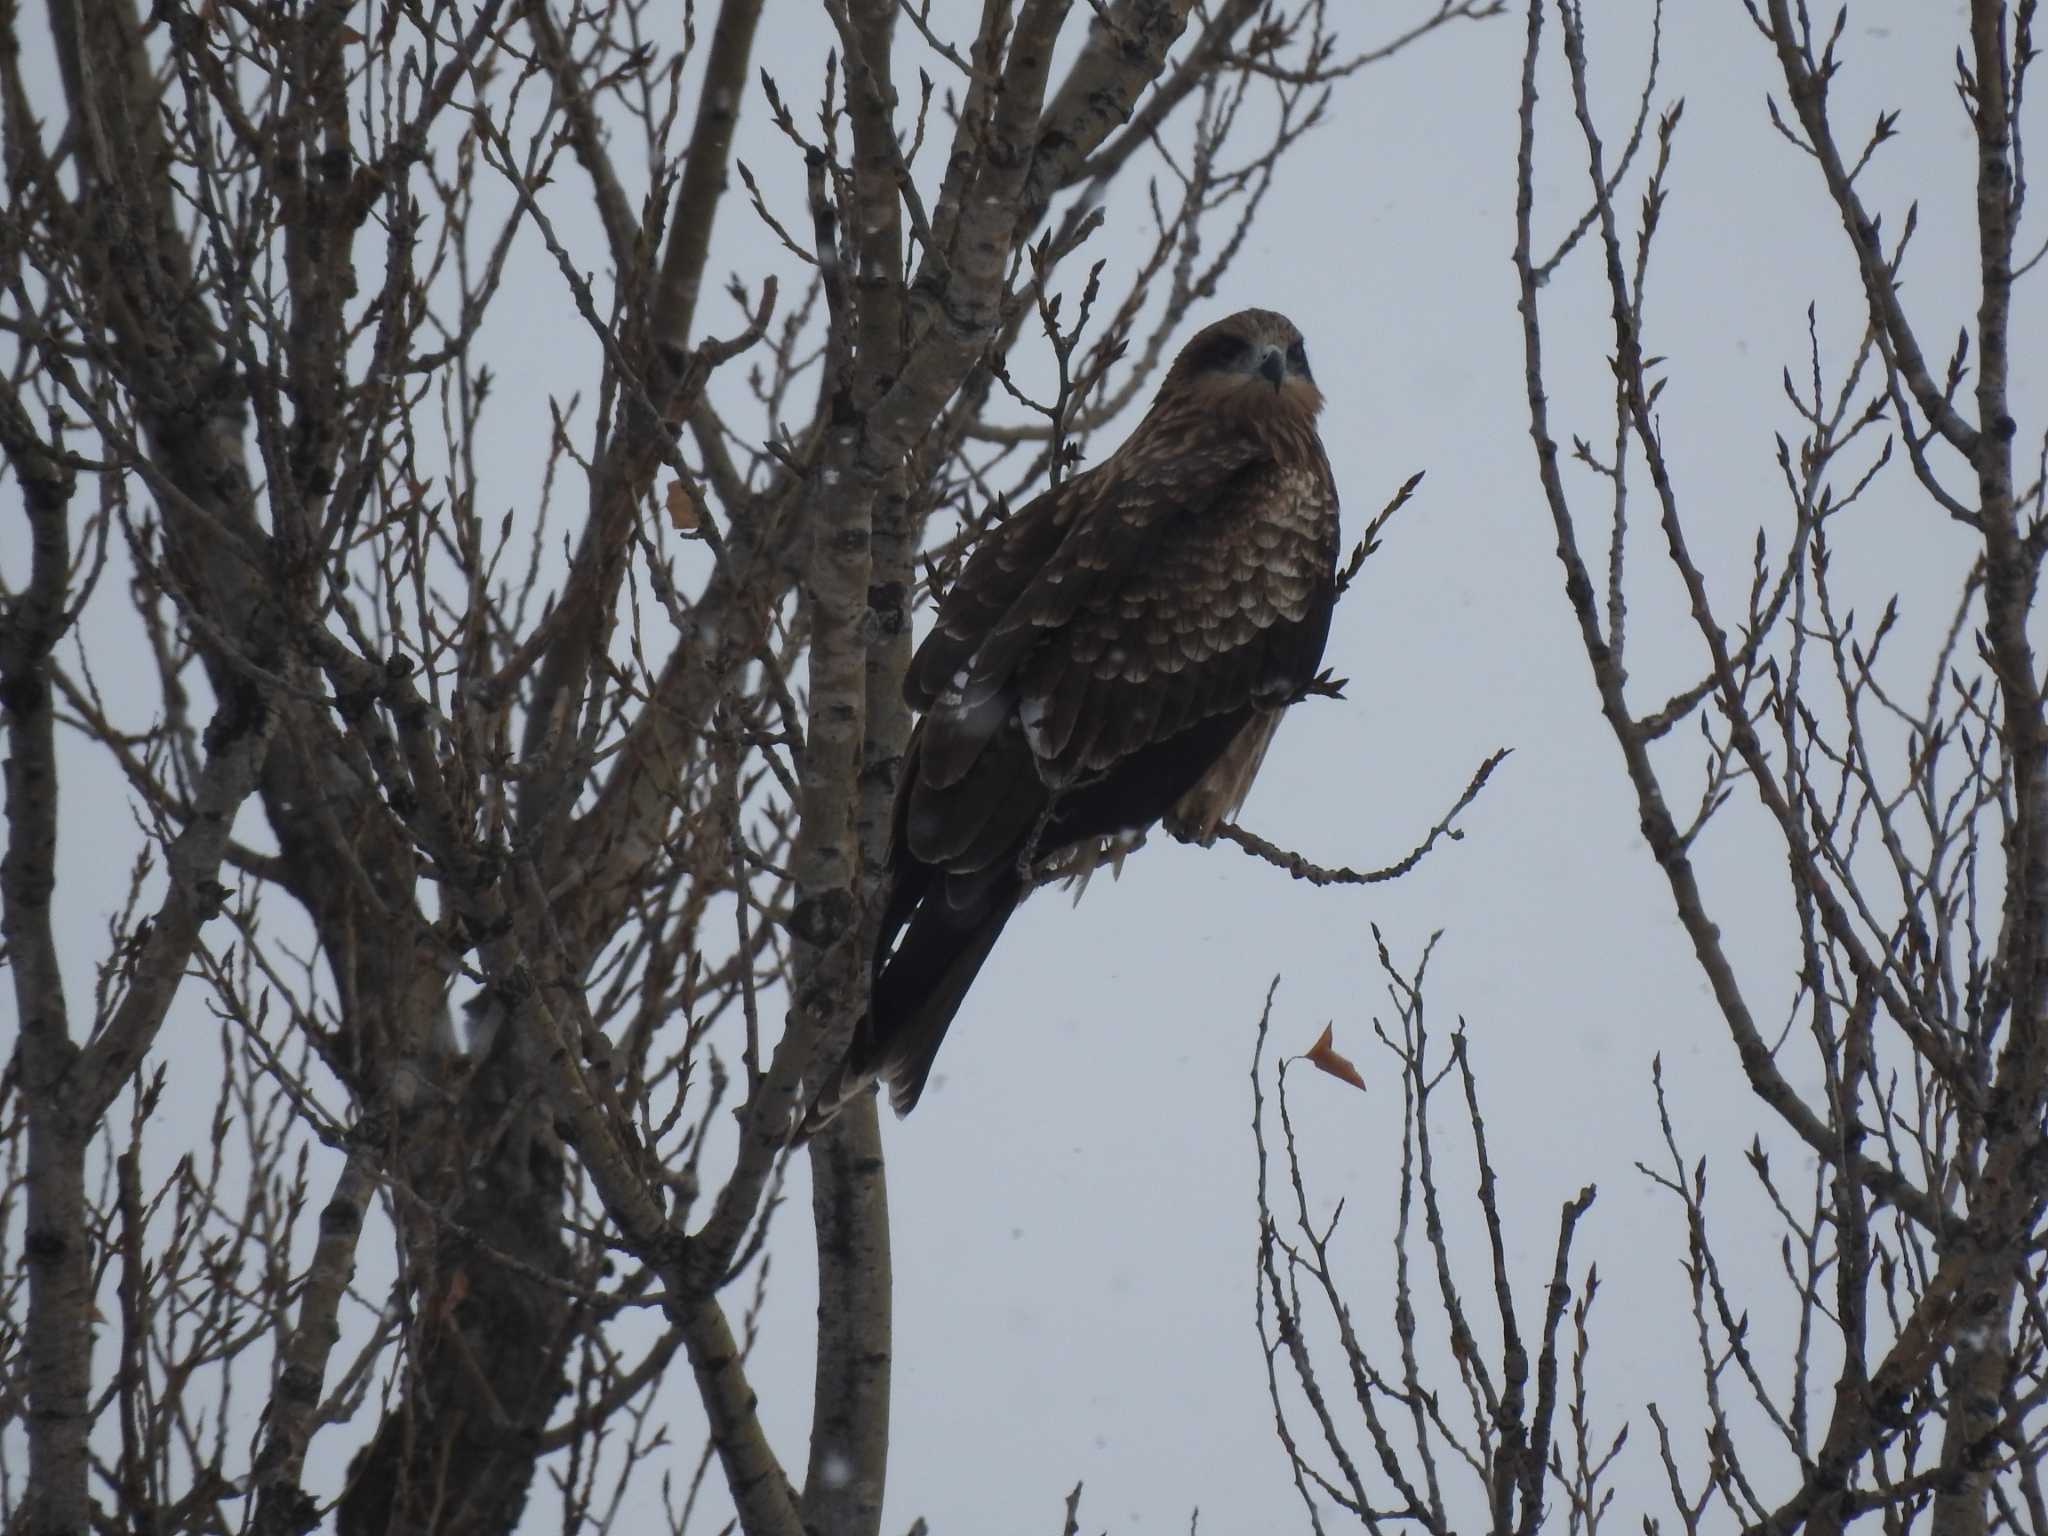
x,y
1002,565
1080,545
1230,613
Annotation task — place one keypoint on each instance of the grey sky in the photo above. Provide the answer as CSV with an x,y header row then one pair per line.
x,y
1071,1204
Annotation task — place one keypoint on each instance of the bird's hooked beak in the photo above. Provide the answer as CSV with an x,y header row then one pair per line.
x,y
1273,366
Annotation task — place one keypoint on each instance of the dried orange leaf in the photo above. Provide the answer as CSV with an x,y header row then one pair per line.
x,y
454,1293
682,508
1325,1056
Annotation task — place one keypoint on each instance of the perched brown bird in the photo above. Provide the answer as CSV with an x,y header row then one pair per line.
x,y
1117,652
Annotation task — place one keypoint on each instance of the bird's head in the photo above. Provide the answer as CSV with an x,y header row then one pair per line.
x,y
1252,360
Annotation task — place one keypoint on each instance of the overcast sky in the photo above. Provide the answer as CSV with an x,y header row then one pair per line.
x,y
1072,1203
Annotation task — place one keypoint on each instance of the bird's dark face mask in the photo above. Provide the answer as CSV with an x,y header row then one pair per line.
x,y
1256,353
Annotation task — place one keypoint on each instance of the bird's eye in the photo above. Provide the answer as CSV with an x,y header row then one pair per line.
x,y
1297,359
1223,351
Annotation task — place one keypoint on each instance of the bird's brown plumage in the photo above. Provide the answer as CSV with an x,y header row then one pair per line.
x,y
1118,651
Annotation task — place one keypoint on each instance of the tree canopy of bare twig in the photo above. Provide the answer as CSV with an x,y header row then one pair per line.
x,y
1898,1076
508,856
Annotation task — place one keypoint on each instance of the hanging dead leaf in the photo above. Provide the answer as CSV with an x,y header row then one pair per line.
x,y
683,512
454,1292
1324,1055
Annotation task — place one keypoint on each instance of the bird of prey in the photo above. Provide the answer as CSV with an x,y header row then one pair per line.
x,y
1117,652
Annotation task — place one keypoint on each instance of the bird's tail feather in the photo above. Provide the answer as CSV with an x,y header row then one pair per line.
x,y
921,987
918,989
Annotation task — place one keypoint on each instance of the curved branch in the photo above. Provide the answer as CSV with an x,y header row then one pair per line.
x,y
1315,874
